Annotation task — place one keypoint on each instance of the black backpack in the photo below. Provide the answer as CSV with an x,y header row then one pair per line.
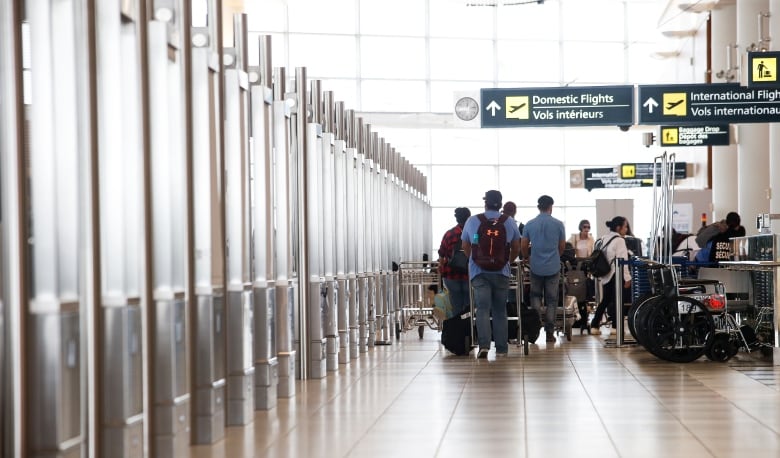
x,y
597,263
459,262
490,251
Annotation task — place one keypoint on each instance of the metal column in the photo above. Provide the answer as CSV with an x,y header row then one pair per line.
x,y
372,139
318,292
54,337
284,306
240,301
353,127
341,224
12,232
265,362
209,312
329,233
360,237
170,395
120,153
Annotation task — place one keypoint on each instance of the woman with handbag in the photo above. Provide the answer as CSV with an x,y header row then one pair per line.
x,y
453,263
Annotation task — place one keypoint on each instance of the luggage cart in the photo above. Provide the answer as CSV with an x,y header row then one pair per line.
x,y
515,294
416,297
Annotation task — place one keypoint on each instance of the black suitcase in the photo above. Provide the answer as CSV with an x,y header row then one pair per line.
x,y
456,334
530,322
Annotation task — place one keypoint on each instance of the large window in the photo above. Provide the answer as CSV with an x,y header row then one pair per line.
x,y
411,56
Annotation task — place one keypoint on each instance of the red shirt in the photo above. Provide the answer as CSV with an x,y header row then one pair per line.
x,y
450,240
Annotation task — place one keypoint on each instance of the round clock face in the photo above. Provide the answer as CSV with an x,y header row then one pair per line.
x,y
466,109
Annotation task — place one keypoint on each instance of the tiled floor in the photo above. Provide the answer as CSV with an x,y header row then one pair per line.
x,y
570,399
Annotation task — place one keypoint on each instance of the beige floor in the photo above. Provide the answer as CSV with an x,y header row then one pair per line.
x,y
570,399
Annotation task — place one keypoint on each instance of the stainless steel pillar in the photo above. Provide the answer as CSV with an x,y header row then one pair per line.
x,y
209,320
368,187
317,300
341,223
53,336
329,231
353,126
266,363
360,238
170,396
284,331
380,306
120,152
240,298
13,231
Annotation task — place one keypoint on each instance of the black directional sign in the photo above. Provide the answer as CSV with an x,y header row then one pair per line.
x,y
610,178
564,106
644,171
707,103
713,135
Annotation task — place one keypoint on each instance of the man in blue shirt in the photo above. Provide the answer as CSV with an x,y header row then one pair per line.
x,y
491,286
547,236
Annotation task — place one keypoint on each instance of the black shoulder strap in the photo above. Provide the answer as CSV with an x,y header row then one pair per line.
x,y
482,218
607,244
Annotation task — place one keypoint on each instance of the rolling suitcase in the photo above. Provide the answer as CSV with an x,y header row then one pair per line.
x,y
531,323
456,334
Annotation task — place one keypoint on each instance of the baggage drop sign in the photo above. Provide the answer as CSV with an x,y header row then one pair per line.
x,y
558,107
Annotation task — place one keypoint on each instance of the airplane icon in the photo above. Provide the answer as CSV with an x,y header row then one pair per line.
x,y
514,108
671,105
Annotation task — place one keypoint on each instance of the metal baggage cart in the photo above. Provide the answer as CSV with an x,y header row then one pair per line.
x,y
416,296
516,293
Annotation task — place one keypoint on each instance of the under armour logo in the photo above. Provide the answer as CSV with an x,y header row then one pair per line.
x,y
491,232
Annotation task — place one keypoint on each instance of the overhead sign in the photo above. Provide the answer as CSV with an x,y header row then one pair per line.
x,y
762,69
610,178
707,103
565,106
695,135
644,171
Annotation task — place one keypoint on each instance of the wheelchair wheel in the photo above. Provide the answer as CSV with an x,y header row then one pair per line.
x,y
640,319
680,329
632,312
721,349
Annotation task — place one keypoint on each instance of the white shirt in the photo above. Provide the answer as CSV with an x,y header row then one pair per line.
x,y
617,248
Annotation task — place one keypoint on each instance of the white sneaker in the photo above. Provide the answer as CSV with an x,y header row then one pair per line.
x,y
483,352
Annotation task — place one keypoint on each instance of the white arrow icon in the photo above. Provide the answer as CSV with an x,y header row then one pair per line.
x,y
650,104
493,106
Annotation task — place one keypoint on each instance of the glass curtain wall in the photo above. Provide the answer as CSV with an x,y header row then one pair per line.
x,y
405,59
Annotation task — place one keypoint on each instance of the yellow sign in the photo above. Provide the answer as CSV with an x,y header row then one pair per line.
x,y
516,107
669,136
675,104
764,69
628,171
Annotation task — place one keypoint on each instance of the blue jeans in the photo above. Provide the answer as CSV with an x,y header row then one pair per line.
x,y
490,292
545,286
459,295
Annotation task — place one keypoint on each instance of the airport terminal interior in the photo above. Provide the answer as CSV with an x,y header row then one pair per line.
x,y
222,227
